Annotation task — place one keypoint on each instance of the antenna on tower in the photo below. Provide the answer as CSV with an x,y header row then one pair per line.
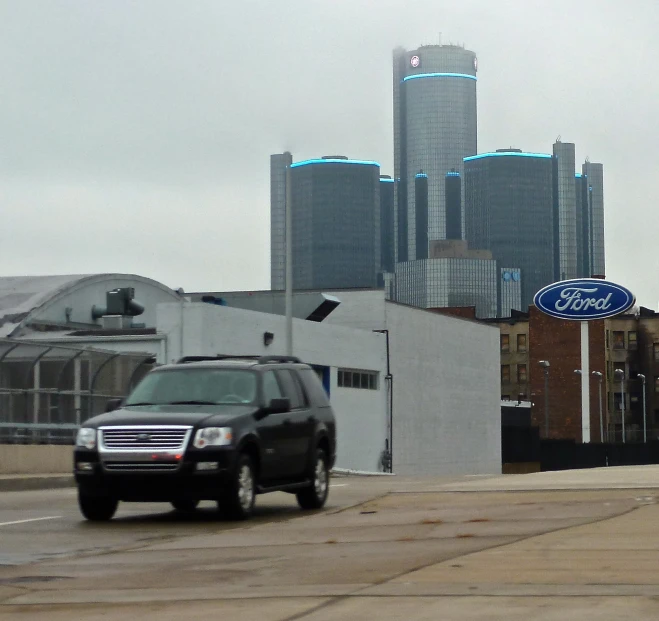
x,y
558,138
440,38
587,159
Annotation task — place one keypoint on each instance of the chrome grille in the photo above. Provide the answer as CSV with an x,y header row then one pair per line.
x,y
144,438
141,466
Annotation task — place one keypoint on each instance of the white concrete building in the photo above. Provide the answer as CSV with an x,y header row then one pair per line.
x,y
422,385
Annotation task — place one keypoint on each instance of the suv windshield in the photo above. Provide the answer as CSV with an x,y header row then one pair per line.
x,y
195,387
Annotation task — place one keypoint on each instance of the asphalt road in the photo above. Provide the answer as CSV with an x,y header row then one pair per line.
x,y
546,546
45,524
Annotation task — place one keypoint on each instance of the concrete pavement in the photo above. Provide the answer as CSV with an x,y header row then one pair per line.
x,y
547,546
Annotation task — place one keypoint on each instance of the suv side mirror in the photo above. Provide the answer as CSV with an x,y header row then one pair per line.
x,y
279,406
113,404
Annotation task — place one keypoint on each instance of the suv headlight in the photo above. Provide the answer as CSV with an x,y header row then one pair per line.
x,y
213,436
86,437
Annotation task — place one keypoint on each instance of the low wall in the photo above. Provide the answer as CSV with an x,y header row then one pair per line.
x,y
35,459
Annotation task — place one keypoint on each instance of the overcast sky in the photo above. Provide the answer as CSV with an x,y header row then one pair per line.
x,y
135,135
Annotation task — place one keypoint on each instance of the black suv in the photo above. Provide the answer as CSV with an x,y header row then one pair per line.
x,y
222,428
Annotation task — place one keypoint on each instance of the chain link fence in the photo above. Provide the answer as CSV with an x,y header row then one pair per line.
x,y
47,391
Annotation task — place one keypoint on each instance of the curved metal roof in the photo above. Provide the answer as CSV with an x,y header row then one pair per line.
x,y
22,295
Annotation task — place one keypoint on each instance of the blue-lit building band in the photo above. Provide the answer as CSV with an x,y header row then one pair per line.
x,y
509,210
331,160
504,153
435,122
439,75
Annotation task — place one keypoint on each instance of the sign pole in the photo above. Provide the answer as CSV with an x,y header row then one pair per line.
x,y
585,384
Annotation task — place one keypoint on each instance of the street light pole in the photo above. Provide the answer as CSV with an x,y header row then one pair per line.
x,y
645,420
598,375
622,400
545,366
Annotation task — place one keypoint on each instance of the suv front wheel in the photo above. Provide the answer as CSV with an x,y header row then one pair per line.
x,y
237,499
97,508
314,496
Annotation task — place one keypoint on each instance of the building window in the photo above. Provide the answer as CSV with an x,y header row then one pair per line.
x,y
505,343
367,380
505,397
521,342
631,340
505,374
618,340
607,340
521,374
655,351
656,385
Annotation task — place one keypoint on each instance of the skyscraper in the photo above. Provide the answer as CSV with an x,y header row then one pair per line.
x,y
336,213
565,212
594,175
387,227
278,164
434,129
509,210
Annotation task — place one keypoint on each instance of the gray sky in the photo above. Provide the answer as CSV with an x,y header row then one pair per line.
x,y
135,136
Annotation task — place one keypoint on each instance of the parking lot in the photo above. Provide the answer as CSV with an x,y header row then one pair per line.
x,y
569,545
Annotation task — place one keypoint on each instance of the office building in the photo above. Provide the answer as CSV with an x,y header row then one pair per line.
x,y
565,212
453,193
278,164
594,175
335,204
435,119
509,211
454,276
387,227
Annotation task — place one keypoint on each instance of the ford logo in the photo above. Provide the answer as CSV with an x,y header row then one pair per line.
x,y
583,299
143,437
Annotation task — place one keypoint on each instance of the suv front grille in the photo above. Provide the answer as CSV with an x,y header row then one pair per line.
x,y
145,438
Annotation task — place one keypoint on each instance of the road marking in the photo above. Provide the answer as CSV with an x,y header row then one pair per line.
x,y
41,519
339,484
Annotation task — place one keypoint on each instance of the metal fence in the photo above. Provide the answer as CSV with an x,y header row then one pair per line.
x,y
47,391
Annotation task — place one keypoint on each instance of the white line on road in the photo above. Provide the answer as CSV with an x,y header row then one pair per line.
x,y
51,517
339,484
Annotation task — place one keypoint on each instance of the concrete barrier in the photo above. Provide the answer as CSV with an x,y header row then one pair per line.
x,y
35,459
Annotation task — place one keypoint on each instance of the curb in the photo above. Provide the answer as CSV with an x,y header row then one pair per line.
x,y
22,483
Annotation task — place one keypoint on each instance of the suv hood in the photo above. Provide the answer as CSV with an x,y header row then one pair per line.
x,y
172,415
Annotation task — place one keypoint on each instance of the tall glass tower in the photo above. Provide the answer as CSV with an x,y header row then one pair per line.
x,y
434,130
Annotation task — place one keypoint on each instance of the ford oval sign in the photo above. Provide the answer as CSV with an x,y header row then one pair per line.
x,y
584,299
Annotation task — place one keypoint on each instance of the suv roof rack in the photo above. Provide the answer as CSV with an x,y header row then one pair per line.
x,y
269,359
186,359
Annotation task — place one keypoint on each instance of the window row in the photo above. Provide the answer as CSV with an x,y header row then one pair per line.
x,y
521,343
358,379
618,340
522,374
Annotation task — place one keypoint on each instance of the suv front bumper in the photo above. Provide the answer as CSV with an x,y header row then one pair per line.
x,y
155,482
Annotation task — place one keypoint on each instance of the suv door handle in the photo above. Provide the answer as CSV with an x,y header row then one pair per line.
x,y
311,419
287,421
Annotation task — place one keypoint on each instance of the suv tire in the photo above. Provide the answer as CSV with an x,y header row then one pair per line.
x,y
315,496
185,505
97,508
236,500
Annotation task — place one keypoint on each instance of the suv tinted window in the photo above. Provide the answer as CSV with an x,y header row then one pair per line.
x,y
271,389
314,387
292,388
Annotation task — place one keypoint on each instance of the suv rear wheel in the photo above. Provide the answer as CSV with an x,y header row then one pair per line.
x,y
314,496
237,498
97,508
